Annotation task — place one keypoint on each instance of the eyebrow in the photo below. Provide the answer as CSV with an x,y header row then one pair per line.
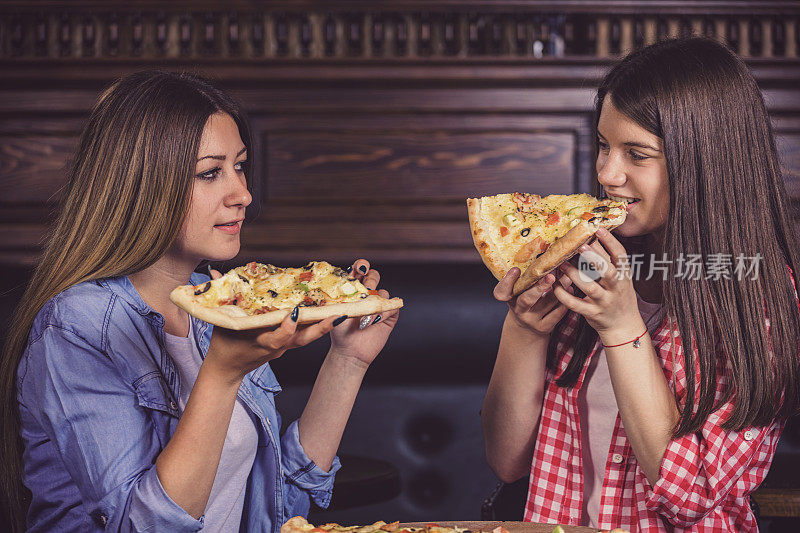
x,y
633,143
222,157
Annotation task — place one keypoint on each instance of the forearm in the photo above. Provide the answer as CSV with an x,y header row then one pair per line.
x,y
646,403
325,416
513,401
188,464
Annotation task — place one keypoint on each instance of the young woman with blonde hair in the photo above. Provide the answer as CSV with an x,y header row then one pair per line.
x,y
122,412
654,402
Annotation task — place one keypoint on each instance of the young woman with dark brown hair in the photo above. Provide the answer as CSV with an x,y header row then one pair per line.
x,y
120,411
653,400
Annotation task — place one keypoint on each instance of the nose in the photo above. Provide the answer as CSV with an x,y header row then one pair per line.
x,y
238,195
610,170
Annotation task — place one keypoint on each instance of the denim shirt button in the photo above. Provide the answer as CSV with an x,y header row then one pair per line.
x,y
100,518
172,405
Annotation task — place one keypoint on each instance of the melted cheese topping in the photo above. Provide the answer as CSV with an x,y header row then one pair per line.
x,y
257,288
380,527
514,221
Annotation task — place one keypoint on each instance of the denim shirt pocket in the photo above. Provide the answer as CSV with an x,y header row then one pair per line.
x,y
154,395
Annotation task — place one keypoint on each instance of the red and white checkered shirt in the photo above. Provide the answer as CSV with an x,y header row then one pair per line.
x,y
705,477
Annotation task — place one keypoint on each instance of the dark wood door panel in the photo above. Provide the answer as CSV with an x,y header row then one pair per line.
x,y
435,164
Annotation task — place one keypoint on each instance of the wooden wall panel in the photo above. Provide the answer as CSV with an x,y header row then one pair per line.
x,y
372,121
391,186
413,165
33,167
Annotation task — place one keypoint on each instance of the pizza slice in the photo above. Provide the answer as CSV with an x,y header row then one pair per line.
x,y
534,233
298,524
258,295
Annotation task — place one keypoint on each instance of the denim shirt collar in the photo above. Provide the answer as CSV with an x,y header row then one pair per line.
x,y
122,286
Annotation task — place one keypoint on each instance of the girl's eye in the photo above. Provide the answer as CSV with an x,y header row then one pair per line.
x,y
637,157
603,146
209,174
242,166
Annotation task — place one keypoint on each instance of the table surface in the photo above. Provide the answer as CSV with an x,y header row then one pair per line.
x,y
512,527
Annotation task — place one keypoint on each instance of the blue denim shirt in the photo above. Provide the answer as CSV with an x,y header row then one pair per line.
x,y
98,399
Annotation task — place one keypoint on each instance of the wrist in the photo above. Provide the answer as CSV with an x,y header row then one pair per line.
x,y
518,328
220,372
348,362
623,334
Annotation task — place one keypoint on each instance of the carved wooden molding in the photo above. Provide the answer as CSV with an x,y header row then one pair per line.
x,y
315,30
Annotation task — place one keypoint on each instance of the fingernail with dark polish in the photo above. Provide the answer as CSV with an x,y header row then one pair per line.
x,y
349,269
295,313
339,320
377,319
363,269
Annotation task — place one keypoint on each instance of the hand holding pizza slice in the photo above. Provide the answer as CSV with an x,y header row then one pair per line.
x,y
534,233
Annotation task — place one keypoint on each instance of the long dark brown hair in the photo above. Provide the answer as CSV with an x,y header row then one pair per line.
x,y
125,199
727,196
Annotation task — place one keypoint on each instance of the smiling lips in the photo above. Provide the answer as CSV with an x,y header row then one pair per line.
x,y
231,228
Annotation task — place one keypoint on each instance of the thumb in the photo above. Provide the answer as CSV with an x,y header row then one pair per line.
x,y
503,289
214,273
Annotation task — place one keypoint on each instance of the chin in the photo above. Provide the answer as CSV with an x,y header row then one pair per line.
x,y
628,230
222,253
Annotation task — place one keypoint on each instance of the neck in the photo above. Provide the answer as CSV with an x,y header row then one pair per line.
x,y
154,284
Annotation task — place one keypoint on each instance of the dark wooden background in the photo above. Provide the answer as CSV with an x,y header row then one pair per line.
x,y
373,121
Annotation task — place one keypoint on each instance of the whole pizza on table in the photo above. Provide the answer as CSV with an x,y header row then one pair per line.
x,y
258,295
299,524
535,233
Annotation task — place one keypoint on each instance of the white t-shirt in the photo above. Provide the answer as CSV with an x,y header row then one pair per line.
x,y
224,508
597,409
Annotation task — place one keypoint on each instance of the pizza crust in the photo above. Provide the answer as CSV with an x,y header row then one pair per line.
x,y
561,250
480,233
557,253
183,297
294,525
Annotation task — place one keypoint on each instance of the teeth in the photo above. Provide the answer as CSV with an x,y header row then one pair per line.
x,y
621,199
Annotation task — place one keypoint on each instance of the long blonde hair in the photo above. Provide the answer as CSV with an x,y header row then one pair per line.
x,y
124,202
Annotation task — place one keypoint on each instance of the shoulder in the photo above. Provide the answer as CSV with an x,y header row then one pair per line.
x,y
66,338
79,310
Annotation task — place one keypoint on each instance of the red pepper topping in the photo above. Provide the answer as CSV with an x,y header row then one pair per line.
x,y
553,219
503,231
587,215
373,292
306,276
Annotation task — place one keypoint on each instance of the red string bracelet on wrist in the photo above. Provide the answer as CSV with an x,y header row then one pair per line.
x,y
635,341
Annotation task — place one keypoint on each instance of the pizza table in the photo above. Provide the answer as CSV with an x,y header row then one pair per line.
x,y
512,527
